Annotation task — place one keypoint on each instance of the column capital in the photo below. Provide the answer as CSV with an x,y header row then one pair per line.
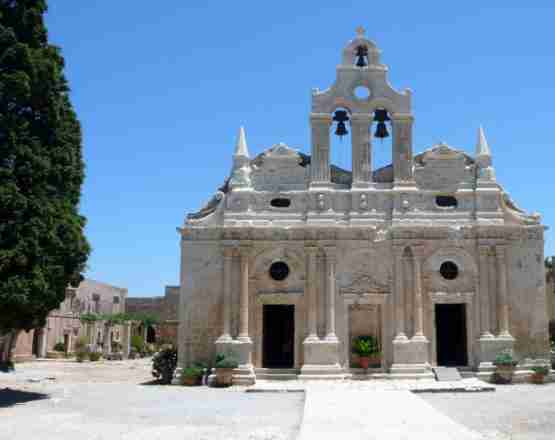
x,y
362,117
321,117
229,251
245,248
398,250
331,253
484,250
500,250
311,250
418,250
402,117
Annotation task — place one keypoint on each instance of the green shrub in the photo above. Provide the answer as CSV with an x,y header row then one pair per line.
x,y
59,346
163,365
137,343
366,346
193,372
226,361
80,356
94,356
541,369
505,358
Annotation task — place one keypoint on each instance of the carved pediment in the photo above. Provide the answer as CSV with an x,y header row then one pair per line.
x,y
363,283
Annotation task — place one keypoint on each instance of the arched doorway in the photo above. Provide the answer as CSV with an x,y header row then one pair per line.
x,y
150,335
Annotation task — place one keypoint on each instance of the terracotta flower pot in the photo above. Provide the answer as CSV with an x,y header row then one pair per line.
x,y
537,378
364,362
224,376
192,381
504,374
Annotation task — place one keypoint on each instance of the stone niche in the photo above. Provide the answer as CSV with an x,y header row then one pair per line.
x,y
364,320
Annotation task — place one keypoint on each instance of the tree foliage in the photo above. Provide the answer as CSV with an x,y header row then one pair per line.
x,y
42,245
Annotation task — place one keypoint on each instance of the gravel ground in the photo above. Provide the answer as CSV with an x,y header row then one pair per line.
x,y
59,400
514,412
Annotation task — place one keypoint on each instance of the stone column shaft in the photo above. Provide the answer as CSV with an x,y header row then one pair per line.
x,y
244,297
330,273
502,291
399,297
418,311
311,293
484,292
228,264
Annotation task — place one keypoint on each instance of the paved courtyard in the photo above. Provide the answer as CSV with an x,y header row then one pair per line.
x,y
117,400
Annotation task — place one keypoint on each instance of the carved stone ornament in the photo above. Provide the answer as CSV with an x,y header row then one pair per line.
x,y
364,283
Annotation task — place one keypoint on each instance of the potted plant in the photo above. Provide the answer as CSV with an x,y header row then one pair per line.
x,y
504,367
225,364
81,349
368,350
192,376
540,371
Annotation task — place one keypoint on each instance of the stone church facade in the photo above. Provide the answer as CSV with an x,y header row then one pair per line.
x,y
294,257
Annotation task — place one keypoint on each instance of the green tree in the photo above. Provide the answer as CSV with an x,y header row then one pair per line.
x,y
42,245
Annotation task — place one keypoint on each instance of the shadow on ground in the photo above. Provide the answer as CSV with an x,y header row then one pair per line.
x,y
9,397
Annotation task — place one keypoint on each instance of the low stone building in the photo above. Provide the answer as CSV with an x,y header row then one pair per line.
x,y
64,325
164,308
294,257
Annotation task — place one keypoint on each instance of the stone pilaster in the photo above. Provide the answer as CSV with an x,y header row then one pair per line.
x,y
504,332
418,308
485,328
398,273
330,303
227,268
402,148
320,150
310,291
361,150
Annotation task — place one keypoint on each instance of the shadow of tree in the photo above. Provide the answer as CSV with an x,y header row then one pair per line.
x,y
9,397
152,382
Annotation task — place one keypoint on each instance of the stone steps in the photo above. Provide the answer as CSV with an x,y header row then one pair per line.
x,y
277,374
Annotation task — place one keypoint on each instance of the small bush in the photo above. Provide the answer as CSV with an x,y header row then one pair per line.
x,y
505,358
226,361
541,369
366,346
163,365
80,356
59,346
94,356
137,343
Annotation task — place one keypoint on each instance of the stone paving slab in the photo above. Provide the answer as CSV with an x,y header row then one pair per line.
x,y
384,415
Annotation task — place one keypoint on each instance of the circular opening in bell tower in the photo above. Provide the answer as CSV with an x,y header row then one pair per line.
x,y
279,271
449,270
361,92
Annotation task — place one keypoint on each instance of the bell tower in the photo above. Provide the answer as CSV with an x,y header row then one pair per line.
x,y
364,97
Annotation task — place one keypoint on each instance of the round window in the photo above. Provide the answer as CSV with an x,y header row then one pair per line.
x,y
449,270
279,271
362,92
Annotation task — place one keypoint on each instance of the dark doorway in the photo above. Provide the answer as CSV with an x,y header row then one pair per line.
x,y
150,335
451,335
279,336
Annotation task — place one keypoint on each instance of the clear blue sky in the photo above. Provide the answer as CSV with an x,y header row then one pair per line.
x,y
161,91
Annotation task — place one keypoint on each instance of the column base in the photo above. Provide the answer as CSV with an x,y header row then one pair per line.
x,y
244,375
410,357
489,347
321,360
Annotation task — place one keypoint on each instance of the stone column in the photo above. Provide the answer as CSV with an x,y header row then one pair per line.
x,y
330,306
418,310
361,149
244,295
228,262
484,251
310,291
126,339
44,341
320,160
107,343
402,147
502,293
399,297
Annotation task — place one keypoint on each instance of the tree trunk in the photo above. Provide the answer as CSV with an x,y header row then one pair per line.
x,y
8,348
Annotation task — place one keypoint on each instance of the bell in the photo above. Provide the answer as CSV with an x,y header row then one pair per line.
x,y
381,130
341,117
380,116
361,54
341,130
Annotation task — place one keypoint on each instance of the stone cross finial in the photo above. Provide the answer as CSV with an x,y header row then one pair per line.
x,y
360,32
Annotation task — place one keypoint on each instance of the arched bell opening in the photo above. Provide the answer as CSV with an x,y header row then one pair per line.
x,y
382,138
340,139
360,56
